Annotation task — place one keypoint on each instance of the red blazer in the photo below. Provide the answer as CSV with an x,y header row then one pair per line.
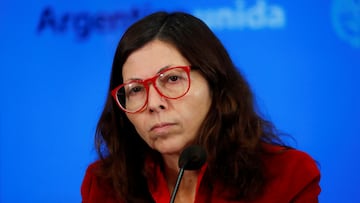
x,y
292,176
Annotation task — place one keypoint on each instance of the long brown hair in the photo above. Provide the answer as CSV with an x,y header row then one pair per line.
x,y
231,133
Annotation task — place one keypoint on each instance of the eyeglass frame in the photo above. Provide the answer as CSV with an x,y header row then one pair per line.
x,y
146,83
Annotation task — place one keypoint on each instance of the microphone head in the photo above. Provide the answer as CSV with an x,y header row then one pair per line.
x,y
192,158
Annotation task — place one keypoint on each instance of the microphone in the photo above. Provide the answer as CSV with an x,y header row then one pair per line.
x,y
191,158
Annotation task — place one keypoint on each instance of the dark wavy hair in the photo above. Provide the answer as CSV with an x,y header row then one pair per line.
x,y
232,132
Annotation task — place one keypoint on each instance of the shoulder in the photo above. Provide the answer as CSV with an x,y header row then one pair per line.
x,y
291,172
95,187
288,160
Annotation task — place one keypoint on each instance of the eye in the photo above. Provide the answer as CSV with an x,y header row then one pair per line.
x,y
173,78
134,89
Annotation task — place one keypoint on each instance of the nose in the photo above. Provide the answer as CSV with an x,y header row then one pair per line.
x,y
156,102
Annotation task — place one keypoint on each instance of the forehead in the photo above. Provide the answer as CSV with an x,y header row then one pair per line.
x,y
148,60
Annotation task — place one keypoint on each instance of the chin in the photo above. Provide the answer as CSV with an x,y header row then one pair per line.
x,y
168,149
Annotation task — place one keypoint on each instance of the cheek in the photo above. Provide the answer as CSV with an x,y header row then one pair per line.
x,y
199,101
138,123
199,88
200,95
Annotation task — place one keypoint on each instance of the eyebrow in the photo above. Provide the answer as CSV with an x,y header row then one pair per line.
x,y
165,67
161,69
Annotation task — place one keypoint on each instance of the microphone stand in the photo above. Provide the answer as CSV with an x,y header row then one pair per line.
x,y
177,184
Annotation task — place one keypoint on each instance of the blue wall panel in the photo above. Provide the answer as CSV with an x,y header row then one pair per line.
x,y
302,59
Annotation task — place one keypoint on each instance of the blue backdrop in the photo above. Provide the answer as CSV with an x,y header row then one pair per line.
x,y
302,59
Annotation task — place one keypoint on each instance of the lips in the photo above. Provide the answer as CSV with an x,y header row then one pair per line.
x,y
160,126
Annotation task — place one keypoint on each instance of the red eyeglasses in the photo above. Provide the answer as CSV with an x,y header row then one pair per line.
x,y
170,83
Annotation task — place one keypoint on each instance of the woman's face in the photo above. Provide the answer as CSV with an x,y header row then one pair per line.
x,y
167,125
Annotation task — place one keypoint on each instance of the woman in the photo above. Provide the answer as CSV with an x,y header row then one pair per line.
x,y
173,85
